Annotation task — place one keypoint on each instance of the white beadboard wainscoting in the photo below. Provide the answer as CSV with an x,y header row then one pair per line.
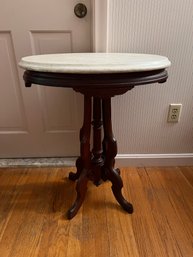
x,y
140,116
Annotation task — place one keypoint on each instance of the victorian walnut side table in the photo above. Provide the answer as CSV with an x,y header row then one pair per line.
x,y
98,76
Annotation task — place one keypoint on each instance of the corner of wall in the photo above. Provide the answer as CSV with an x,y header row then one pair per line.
x,y
99,25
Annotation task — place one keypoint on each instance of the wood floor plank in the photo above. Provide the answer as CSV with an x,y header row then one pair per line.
x,y
25,222
157,197
188,174
94,223
180,193
10,185
34,202
120,229
105,225
168,201
58,232
146,233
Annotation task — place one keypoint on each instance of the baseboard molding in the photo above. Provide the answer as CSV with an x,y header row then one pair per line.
x,y
122,160
126,160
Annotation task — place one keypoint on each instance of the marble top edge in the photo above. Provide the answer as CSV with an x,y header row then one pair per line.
x,y
90,70
94,62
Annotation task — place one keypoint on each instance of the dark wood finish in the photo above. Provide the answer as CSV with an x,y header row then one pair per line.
x,y
110,153
97,85
85,157
97,158
98,164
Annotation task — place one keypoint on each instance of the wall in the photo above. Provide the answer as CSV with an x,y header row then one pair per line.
x,y
140,116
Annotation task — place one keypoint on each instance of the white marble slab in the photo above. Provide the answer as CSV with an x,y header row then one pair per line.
x,y
94,62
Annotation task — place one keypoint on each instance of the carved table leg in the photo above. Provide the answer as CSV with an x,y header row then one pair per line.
x,y
74,176
110,147
84,160
97,160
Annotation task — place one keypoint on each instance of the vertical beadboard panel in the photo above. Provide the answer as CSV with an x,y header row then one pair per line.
x,y
140,116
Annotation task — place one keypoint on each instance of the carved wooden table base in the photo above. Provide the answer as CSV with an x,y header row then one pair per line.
x,y
98,164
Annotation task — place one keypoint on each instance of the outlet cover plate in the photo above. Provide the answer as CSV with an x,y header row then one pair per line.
x,y
174,112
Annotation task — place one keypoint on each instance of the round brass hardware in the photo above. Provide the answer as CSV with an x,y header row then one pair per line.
x,y
80,10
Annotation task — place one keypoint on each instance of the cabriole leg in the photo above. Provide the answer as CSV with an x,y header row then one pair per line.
x,y
84,160
110,151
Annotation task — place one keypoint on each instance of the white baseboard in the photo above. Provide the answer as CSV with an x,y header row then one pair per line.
x,y
126,160
122,160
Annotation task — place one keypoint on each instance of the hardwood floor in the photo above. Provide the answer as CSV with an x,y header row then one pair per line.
x,y
33,203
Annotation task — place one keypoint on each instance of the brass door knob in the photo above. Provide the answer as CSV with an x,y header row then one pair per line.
x,y
80,10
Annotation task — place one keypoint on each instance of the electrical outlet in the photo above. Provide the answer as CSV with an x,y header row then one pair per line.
x,y
174,112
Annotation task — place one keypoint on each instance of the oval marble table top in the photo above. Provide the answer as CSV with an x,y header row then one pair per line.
x,y
94,62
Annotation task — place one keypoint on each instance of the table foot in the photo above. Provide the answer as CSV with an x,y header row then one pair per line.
x,y
81,188
117,185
